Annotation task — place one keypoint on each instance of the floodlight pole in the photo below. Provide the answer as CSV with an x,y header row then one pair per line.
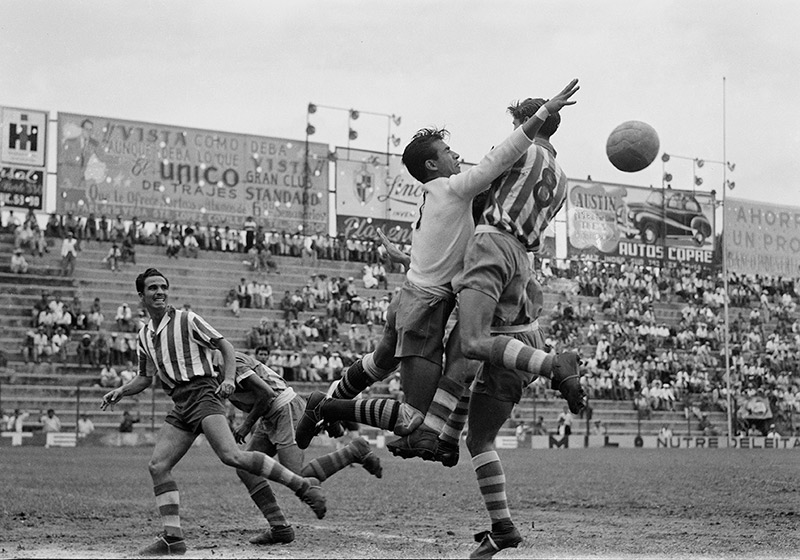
x,y
724,250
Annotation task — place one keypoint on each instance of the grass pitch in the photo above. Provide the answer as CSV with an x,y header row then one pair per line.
x,y
568,503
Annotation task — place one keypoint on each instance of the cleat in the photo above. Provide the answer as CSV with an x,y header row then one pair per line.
x,y
312,495
368,459
279,534
311,422
492,543
447,453
164,547
567,381
421,443
335,429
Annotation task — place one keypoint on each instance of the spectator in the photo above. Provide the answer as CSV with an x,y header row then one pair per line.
x,y
85,426
566,418
59,342
69,253
191,246
127,373
128,250
95,318
232,302
124,318
84,351
18,263
50,422
27,348
109,377
41,345
101,348
539,428
126,426
242,293
367,278
113,257
173,245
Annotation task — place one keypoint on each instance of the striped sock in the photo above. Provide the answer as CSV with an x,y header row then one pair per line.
x,y
273,470
445,400
168,502
265,501
451,432
326,466
513,354
492,484
379,413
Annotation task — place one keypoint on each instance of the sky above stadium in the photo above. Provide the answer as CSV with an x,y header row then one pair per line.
x,y
253,67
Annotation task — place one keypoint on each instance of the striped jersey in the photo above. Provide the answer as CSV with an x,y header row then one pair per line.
x,y
526,198
249,365
178,349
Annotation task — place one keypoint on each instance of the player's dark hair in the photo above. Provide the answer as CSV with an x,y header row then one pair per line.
x,y
262,349
147,274
526,108
420,150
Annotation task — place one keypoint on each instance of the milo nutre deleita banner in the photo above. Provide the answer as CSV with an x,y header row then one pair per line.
x,y
168,173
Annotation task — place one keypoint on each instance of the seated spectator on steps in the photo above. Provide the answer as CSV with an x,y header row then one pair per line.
x,y
85,351
113,257
18,263
109,377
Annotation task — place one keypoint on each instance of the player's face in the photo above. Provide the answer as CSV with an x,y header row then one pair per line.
x,y
447,161
262,357
517,123
155,294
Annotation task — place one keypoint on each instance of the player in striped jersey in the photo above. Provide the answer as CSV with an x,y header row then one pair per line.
x,y
491,295
177,346
441,235
273,409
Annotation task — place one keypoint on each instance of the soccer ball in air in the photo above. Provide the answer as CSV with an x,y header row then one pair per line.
x,y
632,146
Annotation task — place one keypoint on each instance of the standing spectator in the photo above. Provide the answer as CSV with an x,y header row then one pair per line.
x,y
191,246
18,263
85,426
249,233
566,418
89,230
50,422
69,253
103,228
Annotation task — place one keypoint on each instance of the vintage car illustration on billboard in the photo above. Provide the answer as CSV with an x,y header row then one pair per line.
x,y
666,215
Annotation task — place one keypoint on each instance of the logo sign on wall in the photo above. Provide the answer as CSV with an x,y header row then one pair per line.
x,y
762,238
23,157
373,190
168,173
637,225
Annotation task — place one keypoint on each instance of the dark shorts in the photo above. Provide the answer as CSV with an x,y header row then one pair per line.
x,y
507,384
193,401
420,324
497,265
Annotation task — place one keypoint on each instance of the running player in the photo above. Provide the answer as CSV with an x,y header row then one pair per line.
x,y
273,409
177,346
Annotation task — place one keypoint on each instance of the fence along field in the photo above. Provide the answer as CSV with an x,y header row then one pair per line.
x,y
96,502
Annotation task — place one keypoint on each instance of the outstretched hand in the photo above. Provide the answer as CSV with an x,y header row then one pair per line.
x,y
555,104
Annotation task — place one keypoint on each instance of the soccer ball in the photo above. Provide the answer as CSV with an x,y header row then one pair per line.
x,y
632,146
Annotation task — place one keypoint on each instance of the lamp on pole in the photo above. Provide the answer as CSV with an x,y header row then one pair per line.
x,y
698,163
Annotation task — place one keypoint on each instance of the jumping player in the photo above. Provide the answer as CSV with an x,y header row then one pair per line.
x,y
441,233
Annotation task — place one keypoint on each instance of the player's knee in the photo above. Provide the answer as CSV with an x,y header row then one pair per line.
x,y
471,347
478,443
232,458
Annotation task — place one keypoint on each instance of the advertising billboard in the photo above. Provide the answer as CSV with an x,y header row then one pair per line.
x,y
762,238
162,173
23,161
638,225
